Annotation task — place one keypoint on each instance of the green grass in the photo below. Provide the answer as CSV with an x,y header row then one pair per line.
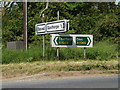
x,y
103,51
100,51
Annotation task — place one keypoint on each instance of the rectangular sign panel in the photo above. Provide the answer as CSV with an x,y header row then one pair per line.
x,y
52,27
55,26
40,28
71,40
83,41
60,40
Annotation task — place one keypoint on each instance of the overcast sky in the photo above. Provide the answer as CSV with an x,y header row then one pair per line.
x,y
117,1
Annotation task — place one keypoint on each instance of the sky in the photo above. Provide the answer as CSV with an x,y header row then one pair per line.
x,y
117,1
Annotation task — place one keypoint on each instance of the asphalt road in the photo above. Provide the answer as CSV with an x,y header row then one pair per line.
x,y
86,82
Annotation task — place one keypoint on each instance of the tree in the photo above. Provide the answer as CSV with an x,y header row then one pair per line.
x,y
12,23
97,18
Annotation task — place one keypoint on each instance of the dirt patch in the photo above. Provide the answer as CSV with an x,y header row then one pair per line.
x,y
63,74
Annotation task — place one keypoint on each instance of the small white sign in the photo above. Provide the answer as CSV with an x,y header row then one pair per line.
x,y
40,28
52,27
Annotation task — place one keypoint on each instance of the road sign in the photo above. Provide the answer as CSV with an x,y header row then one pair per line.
x,y
83,41
71,40
52,27
60,40
40,28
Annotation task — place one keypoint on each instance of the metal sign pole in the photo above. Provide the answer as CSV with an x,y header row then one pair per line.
x,y
58,14
84,52
43,47
58,47
43,39
57,53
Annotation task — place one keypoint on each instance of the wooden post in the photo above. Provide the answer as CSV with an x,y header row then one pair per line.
x,y
25,23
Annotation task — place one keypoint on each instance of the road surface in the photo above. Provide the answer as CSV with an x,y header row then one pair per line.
x,y
78,82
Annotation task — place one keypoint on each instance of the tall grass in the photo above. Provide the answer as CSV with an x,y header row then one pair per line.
x,y
100,51
103,51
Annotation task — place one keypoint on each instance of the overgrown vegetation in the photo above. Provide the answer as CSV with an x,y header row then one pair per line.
x,y
97,18
100,51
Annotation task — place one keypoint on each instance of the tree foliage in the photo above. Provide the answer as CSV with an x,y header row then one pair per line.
x,y
96,18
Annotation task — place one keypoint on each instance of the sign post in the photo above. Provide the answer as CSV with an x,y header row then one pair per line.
x,y
43,47
43,38
84,52
51,27
72,40
58,47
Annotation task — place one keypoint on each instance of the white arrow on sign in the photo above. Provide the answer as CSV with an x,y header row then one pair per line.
x,y
89,41
56,40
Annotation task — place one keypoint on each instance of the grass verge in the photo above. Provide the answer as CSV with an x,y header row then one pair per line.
x,y
101,51
31,68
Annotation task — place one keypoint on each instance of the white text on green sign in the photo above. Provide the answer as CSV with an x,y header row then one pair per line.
x,y
71,40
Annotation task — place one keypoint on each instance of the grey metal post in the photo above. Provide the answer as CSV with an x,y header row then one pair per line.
x,y
58,14
84,52
58,47
44,35
25,23
43,39
43,47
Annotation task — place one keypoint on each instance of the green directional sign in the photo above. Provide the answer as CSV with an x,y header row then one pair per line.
x,y
71,40
83,41
63,40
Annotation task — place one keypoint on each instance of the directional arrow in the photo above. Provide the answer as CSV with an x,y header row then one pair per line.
x,y
83,41
55,40
89,41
